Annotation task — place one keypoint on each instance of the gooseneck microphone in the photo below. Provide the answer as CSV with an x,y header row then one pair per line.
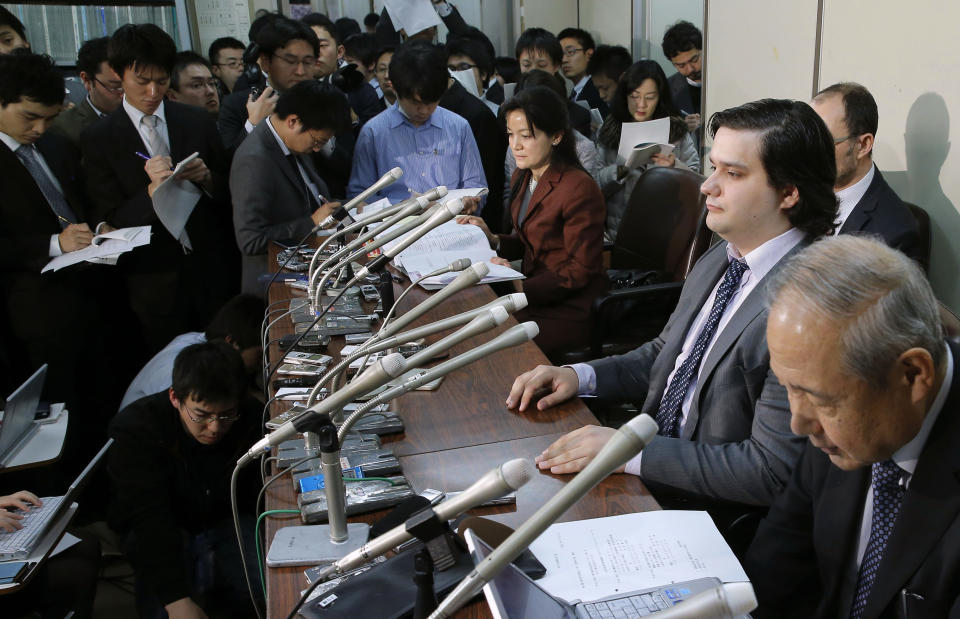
x,y
387,179
632,437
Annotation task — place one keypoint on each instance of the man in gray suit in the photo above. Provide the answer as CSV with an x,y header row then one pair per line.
x,y
724,419
277,193
104,91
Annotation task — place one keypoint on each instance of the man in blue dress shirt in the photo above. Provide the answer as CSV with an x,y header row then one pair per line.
x,y
432,145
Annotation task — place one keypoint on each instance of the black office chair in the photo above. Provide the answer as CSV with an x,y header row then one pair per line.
x,y
923,224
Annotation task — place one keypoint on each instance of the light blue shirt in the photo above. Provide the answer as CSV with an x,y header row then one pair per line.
x,y
441,151
157,374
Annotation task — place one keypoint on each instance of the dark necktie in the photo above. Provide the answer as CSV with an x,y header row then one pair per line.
x,y
669,415
27,154
311,199
887,497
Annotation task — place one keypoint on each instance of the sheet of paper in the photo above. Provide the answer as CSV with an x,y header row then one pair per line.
x,y
590,559
104,253
174,201
468,192
467,80
654,131
448,236
65,542
370,209
497,273
508,90
412,16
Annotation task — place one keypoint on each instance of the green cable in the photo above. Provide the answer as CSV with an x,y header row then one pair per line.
x,y
256,533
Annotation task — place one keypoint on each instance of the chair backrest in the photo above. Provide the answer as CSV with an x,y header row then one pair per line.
x,y
923,227
662,226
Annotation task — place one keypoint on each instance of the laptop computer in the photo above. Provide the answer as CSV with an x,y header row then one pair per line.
x,y
513,595
19,544
18,414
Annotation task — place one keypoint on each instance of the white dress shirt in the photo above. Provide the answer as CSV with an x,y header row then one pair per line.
x,y
53,249
579,86
759,262
907,456
136,116
850,197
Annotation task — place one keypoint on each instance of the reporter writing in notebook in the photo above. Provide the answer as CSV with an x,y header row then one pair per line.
x,y
557,214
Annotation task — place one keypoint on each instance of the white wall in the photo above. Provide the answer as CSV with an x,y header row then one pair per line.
x,y
660,15
609,21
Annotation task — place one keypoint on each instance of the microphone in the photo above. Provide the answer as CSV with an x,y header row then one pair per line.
x,y
382,371
457,265
493,484
338,215
632,437
387,179
447,211
726,601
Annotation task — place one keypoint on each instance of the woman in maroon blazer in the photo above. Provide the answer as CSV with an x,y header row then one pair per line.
x,y
558,213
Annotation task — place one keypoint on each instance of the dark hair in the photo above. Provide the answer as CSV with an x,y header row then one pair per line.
x,y
184,60
796,149
140,46
9,19
419,68
210,372
221,44
539,39
472,33
260,23
681,37
371,20
91,54
322,21
239,318
633,77
26,75
508,68
539,77
361,46
462,46
385,49
545,111
279,32
317,105
859,107
582,36
346,27
610,61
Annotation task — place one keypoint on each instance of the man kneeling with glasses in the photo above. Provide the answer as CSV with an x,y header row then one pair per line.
x,y
170,468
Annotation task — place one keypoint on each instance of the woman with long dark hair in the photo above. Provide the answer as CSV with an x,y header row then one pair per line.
x,y
557,214
642,94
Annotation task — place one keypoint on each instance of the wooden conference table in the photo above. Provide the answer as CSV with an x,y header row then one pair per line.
x,y
458,432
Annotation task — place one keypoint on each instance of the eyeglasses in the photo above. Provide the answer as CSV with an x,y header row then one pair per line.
x,y
233,63
319,142
843,139
463,66
207,418
199,85
116,91
570,52
308,62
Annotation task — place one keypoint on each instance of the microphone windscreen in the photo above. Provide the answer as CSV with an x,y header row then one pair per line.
x,y
399,514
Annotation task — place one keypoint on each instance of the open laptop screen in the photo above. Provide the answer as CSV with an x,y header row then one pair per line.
x,y
20,410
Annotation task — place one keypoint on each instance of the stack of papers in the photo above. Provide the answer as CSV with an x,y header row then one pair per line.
x,y
104,249
591,559
640,136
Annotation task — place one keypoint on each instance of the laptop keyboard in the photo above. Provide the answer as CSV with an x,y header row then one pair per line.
x,y
19,543
638,605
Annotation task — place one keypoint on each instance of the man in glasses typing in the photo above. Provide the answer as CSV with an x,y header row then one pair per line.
x,y
170,469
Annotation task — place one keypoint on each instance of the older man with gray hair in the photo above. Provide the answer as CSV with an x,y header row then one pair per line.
x,y
869,525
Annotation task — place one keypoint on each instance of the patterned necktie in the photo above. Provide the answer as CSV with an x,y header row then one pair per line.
x,y
158,148
31,160
670,414
887,497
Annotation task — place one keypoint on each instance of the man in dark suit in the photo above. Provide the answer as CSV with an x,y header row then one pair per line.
x,y
538,49
277,193
174,284
683,46
724,420
869,525
52,317
867,203
578,47
104,91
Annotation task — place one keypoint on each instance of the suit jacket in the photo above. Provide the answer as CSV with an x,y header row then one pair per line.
x,y
680,92
494,94
802,559
736,444
591,95
71,123
883,213
579,118
491,142
270,201
561,243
